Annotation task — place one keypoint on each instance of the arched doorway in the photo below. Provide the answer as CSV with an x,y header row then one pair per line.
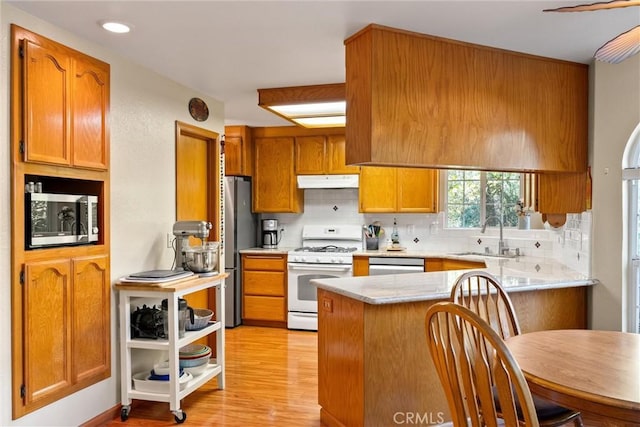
x,y
631,232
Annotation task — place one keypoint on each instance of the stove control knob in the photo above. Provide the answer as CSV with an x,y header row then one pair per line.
x,y
318,259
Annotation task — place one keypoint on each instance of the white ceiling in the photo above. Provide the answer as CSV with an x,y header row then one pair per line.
x,y
229,49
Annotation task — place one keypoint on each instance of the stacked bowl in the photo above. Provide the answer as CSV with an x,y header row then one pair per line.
x,y
194,358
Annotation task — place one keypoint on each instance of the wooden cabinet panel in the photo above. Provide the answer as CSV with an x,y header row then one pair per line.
x,y
452,104
264,280
378,189
274,181
457,264
60,316
561,193
360,266
310,155
90,137
263,283
417,190
66,105
258,262
47,329
384,189
322,155
238,149
264,308
91,322
46,104
336,162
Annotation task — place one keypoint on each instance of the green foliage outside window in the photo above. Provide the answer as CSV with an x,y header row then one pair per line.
x,y
474,196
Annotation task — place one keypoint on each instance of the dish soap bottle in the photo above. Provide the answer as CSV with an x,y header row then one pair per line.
x,y
395,238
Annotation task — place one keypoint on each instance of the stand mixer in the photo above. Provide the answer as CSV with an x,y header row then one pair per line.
x,y
183,230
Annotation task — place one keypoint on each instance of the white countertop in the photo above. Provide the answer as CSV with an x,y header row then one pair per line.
x,y
515,274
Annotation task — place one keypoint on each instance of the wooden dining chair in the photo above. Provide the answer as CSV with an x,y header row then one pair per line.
x,y
482,293
477,370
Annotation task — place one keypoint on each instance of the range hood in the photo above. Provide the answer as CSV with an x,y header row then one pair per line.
x,y
328,181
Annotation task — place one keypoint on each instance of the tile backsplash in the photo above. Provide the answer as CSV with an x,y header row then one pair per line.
x,y
570,244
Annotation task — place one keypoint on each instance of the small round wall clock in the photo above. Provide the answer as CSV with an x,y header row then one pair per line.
x,y
198,109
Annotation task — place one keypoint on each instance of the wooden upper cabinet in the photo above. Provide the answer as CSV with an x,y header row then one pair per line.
x,y
89,114
65,104
449,104
417,190
46,106
561,193
322,155
378,189
310,153
238,147
274,182
408,190
336,162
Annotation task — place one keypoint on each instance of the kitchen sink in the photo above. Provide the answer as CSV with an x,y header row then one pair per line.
x,y
472,253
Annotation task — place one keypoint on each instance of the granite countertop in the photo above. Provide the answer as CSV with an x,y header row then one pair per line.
x,y
515,274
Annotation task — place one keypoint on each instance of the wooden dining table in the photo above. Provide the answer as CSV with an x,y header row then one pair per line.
x,y
594,372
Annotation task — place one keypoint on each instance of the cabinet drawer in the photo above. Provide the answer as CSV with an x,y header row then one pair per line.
x,y
257,262
264,308
264,283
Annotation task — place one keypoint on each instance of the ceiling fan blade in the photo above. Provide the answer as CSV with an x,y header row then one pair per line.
x,y
596,6
620,48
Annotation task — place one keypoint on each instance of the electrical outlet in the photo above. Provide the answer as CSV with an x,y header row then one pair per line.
x,y
283,229
169,240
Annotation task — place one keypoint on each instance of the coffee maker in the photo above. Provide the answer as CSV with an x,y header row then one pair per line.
x,y
269,233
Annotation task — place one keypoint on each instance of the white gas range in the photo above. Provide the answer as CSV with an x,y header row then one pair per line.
x,y
327,251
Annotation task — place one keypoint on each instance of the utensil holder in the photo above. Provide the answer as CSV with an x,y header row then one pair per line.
x,y
372,243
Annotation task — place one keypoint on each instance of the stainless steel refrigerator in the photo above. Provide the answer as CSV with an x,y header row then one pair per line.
x,y
240,227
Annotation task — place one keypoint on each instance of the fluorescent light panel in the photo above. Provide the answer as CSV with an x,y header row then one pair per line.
x,y
308,106
314,109
325,121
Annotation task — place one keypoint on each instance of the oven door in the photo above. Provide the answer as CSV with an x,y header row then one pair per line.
x,y
302,295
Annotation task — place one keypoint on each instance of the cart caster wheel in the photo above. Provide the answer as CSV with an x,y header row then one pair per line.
x,y
182,419
124,414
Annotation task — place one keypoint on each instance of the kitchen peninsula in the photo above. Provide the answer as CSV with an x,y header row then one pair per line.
x,y
374,368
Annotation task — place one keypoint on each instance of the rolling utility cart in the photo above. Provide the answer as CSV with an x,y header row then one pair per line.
x,y
176,389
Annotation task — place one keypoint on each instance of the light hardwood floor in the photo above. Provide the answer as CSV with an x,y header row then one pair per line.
x,y
272,380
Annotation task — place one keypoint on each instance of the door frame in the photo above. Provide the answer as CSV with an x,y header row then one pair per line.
x,y
215,187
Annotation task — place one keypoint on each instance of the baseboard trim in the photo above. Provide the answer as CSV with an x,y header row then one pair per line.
x,y
104,418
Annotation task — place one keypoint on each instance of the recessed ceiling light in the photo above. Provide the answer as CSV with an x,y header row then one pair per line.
x,y
115,27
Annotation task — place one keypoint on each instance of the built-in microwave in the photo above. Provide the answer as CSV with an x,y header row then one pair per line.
x,y
60,220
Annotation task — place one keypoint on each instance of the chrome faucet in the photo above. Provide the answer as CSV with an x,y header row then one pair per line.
x,y
502,247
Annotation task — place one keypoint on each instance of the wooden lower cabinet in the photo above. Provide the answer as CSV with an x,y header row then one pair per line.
x,y
66,312
446,264
374,366
360,265
264,290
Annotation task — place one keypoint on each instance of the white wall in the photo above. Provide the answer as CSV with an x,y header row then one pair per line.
x,y
616,113
144,108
